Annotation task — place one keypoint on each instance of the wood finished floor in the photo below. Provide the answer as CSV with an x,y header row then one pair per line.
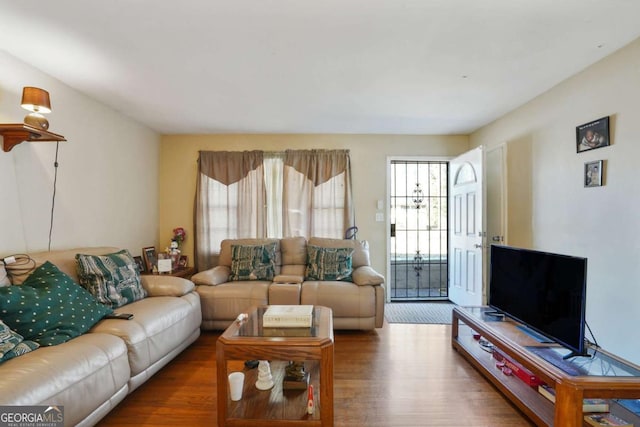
x,y
399,376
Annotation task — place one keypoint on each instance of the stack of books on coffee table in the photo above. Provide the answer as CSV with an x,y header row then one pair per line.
x,y
288,316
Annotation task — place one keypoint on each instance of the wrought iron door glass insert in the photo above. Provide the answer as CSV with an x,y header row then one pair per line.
x,y
419,230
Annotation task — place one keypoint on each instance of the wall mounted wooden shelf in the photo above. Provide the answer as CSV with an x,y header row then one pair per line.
x,y
14,134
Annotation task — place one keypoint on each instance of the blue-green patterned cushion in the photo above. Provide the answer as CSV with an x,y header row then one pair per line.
x,y
12,344
49,307
329,263
253,262
24,347
113,279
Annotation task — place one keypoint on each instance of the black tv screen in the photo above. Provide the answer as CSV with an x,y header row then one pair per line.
x,y
545,291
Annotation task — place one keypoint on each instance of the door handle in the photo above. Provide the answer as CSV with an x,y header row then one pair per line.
x,y
478,246
497,238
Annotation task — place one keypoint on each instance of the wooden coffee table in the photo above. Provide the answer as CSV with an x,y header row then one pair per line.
x,y
276,407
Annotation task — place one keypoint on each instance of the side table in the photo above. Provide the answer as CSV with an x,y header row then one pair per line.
x,y
185,273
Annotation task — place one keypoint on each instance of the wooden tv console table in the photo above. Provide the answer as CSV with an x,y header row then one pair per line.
x,y
607,376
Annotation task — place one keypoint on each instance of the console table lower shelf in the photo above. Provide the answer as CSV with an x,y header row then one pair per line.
x,y
570,390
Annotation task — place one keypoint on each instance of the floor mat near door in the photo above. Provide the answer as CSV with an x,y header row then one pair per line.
x,y
418,312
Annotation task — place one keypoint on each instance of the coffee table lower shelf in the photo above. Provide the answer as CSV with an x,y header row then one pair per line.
x,y
275,406
243,341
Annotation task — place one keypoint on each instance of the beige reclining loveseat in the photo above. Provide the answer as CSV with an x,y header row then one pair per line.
x,y
356,304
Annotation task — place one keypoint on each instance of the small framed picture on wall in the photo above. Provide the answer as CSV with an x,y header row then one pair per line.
x,y
592,135
593,173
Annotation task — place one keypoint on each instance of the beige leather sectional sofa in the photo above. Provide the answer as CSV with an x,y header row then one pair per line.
x,y
356,305
90,374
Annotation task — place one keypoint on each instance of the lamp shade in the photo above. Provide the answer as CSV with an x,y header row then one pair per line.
x,y
36,100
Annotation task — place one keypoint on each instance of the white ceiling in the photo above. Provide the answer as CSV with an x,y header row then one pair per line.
x,y
323,66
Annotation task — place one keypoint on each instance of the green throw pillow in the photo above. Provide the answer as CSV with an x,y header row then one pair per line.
x,y
253,262
12,344
329,263
113,279
49,307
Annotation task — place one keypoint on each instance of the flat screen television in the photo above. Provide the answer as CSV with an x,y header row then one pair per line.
x,y
545,291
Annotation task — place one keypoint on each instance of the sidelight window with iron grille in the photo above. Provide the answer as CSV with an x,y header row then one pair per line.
x,y
419,230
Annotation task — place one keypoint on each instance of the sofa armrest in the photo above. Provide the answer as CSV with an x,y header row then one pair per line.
x,y
366,275
166,286
214,276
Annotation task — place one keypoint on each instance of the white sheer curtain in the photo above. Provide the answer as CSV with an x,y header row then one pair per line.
x,y
317,198
273,174
230,201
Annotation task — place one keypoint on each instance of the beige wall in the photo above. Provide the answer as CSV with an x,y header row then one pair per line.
x,y
107,177
557,213
179,153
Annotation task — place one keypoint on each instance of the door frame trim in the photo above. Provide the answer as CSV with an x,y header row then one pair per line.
x,y
387,207
504,188
504,211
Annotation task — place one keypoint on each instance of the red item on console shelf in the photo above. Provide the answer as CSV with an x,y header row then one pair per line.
x,y
517,369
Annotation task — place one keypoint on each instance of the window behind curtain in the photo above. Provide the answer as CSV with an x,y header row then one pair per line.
x,y
254,194
230,201
317,193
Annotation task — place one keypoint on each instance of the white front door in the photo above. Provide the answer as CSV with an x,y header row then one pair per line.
x,y
466,235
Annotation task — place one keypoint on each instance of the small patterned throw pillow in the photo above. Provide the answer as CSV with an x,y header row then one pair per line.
x,y
12,344
113,279
49,307
253,262
329,263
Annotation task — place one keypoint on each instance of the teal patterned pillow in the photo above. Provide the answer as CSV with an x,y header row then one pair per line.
x,y
329,263
113,279
49,307
12,344
253,262
20,349
8,339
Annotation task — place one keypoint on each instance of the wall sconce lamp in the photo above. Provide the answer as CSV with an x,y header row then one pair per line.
x,y
37,101
35,126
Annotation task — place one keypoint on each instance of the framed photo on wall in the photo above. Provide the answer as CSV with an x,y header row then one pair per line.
x,y
150,257
593,173
592,135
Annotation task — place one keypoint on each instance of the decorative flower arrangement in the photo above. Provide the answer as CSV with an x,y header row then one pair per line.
x,y
179,235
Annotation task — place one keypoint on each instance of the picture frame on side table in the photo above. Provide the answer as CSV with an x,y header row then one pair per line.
x,y
593,173
150,257
140,263
183,262
592,135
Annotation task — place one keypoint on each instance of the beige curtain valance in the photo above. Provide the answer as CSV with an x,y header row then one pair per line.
x,y
319,166
229,167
